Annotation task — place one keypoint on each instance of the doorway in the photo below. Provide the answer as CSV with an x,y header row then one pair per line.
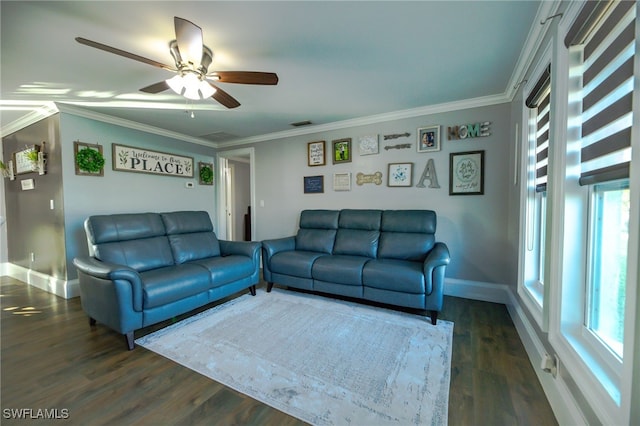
x,y
236,195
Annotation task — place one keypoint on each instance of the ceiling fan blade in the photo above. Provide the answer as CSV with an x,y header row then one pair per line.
x,y
224,98
156,87
246,77
123,53
189,39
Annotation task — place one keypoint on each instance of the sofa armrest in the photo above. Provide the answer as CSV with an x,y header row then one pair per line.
x,y
434,267
113,272
243,248
272,247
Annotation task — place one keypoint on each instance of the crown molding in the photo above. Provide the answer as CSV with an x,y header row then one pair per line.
x,y
105,118
537,33
40,112
372,119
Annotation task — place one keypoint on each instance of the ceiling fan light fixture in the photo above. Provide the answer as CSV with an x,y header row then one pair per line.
x,y
190,86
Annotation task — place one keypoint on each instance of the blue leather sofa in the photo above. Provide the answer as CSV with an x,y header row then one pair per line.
x,y
386,256
145,268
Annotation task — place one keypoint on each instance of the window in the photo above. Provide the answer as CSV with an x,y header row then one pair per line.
x,y
596,194
608,269
538,116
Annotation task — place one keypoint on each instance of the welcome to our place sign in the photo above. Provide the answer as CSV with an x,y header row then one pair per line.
x,y
130,159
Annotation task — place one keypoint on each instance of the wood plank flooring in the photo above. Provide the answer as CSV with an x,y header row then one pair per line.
x,y
51,359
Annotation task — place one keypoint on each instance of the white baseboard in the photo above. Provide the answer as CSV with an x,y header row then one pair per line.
x,y
62,288
476,290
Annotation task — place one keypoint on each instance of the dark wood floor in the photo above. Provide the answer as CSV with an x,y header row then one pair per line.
x,y
51,359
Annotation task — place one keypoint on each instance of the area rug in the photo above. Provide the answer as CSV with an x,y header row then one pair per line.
x,y
322,360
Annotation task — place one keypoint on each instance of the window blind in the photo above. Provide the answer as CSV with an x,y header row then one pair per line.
x,y
607,88
540,100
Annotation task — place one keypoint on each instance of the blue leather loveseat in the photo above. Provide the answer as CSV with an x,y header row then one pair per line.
x,y
386,256
144,268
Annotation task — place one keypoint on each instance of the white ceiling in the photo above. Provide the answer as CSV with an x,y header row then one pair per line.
x,y
336,60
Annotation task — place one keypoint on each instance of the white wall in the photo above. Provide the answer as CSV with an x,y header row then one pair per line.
x,y
475,227
123,192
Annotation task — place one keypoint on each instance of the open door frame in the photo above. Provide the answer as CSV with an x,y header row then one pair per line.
x,y
223,157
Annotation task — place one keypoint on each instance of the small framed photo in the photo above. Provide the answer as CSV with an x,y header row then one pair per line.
x,y
342,181
400,174
342,151
313,184
316,154
368,144
428,139
466,173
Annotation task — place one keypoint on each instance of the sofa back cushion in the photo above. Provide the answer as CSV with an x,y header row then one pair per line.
x,y
407,234
136,240
191,235
317,230
358,233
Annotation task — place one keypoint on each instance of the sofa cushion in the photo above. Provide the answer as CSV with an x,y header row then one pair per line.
x,y
316,240
356,242
396,275
339,269
319,219
186,222
141,255
227,269
189,247
165,285
368,220
123,227
296,263
405,246
418,221
191,235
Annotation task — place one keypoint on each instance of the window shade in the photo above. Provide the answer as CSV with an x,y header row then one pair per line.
x,y
540,100
607,89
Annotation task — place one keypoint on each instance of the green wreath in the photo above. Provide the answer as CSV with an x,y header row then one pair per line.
x,y
89,160
206,174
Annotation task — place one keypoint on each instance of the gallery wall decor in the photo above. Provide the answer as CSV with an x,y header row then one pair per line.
x,y
468,131
397,146
341,150
362,178
397,135
89,160
368,144
140,160
466,173
26,160
205,173
400,174
342,181
428,139
316,153
313,184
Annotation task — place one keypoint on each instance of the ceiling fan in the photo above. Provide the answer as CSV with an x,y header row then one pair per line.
x,y
192,59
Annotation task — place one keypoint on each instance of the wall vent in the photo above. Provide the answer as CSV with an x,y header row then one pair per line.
x,y
301,123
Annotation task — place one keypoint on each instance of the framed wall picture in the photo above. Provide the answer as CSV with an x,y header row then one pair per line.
x,y
342,151
400,174
428,139
316,153
466,173
88,163
368,144
342,181
313,184
23,160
